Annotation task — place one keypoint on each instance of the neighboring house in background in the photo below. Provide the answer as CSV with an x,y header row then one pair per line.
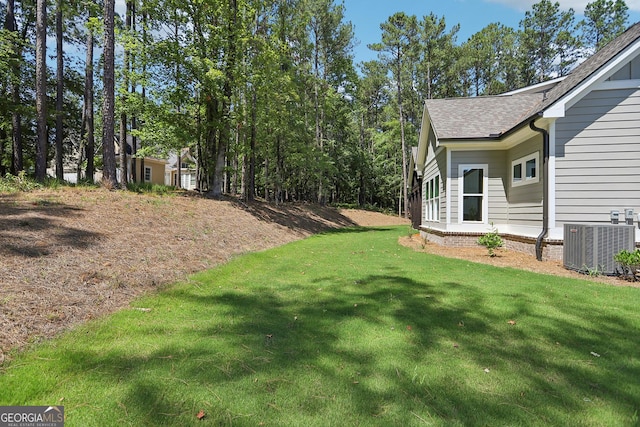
x,y
148,169
187,170
529,161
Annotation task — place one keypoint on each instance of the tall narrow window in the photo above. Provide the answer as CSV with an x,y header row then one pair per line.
x,y
472,193
472,196
531,168
517,172
147,174
432,199
436,198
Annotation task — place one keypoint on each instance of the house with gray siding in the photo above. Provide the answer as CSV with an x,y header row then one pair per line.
x,y
529,161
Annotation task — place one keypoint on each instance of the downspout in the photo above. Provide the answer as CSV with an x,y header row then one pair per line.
x,y
545,187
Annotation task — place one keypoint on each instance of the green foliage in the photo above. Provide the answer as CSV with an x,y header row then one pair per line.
x,y
17,183
604,20
491,241
348,328
275,84
23,182
489,57
629,263
148,188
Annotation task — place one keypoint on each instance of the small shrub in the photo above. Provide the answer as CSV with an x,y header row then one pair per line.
x,y
16,183
629,263
491,241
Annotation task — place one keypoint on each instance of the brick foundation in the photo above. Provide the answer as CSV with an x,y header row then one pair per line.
x,y
551,249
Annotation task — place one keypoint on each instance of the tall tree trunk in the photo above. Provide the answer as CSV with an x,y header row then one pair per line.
x,y
41,89
108,106
211,142
124,169
217,186
3,142
59,92
250,170
88,106
316,102
16,124
178,182
404,196
134,121
145,17
266,179
176,78
16,118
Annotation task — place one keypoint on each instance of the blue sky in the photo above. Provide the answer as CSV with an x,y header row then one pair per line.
x,y
472,15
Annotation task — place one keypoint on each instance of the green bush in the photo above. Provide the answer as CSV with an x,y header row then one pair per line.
x,y
16,183
491,241
629,263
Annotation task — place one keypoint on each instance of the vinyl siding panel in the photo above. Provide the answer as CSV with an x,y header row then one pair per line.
x,y
497,172
525,201
598,157
630,71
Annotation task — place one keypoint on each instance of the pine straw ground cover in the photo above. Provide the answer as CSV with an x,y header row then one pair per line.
x,y
72,254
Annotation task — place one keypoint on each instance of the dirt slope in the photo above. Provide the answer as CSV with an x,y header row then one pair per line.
x,y
70,255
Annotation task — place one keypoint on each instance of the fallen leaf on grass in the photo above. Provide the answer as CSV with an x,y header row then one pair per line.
x,y
511,322
594,354
200,415
409,327
486,370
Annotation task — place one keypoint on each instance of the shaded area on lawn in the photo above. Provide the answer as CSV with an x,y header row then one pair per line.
x,y
361,338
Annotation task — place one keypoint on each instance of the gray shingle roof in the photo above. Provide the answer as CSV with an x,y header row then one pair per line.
x,y
479,117
491,116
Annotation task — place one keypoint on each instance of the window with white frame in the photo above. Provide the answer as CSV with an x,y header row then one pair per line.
x,y
525,170
431,194
473,187
147,174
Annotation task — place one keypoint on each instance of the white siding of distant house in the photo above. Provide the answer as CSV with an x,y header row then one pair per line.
x,y
598,157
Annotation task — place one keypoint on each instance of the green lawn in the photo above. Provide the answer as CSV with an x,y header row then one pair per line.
x,y
349,328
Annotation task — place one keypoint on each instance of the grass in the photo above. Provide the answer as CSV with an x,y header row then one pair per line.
x,y
349,328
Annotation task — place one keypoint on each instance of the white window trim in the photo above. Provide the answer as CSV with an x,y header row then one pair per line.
x,y
427,204
485,192
523,162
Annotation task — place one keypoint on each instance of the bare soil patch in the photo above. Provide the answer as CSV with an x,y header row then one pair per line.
x,y
70,255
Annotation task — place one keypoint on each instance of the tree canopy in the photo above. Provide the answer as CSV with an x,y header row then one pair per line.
x,y
263,94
